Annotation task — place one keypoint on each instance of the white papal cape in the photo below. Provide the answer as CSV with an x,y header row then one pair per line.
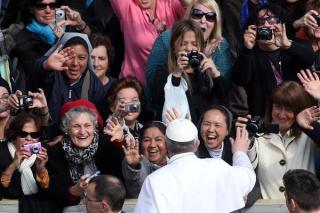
x,y
192,185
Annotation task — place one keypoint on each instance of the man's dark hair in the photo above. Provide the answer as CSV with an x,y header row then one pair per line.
x,y
303,187
111,189
275,9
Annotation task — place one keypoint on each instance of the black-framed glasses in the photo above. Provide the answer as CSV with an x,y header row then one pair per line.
x,y
270,19
24,134
43,6
198,14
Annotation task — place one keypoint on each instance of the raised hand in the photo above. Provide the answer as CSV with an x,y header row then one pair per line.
x,y
132,154
39,99
173,115
114,129
310,82
249,37
242,121
308,20
56,61
242,142
281,38
21,154
212,46
207,65
13,99
306,117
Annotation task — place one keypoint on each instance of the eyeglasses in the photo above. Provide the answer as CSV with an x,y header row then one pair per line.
x,y
270,19
43,6
24,134
198,14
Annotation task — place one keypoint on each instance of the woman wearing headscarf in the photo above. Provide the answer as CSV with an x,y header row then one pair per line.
x,y
68,70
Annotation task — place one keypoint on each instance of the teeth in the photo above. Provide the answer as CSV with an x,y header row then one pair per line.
x,y
212,136
152,150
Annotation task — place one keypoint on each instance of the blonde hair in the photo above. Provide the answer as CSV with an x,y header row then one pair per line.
x,y
213,6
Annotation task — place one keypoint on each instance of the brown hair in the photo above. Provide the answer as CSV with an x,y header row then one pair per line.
x,y
99,39
291,95
128,82
18,122
312,5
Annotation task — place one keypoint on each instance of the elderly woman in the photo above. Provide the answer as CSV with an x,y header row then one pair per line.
x,y
141,23
136,167
206,14
67,68
76,157
23,165
189,88
39,34
274,154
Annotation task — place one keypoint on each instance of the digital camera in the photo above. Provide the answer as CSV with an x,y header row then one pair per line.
x,y
133,106
60,15
317,18
25,101
195,59
257,125
33,148
264,33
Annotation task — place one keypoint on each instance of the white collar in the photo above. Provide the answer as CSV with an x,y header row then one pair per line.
x,y
178,156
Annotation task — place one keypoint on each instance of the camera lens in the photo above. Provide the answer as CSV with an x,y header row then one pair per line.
x,y
35,150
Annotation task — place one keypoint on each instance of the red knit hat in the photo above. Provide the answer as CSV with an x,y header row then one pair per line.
x,y
66,107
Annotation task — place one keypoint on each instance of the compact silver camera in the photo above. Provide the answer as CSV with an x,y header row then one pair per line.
x,y
133,106
25,101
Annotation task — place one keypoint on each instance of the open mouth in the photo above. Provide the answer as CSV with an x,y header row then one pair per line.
x,y
212,137
152,151
203,29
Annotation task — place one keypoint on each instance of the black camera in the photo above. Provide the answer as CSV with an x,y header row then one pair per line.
x,y
257,125
264,33
133,106
25,101
195,59
317,18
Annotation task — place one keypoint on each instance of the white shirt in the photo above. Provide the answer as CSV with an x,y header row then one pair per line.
x,y
188,184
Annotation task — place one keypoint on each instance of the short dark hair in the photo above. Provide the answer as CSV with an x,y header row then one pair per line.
x,y
99,39
128,82
179,147
111,189
275,9
303,187
18,122
153,124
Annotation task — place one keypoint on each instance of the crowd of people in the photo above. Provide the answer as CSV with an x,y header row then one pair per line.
x,y
187,105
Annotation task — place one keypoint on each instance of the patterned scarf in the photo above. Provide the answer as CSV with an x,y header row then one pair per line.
x,y
78,158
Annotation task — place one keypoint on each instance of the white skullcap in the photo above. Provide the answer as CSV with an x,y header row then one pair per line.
x,y
181,130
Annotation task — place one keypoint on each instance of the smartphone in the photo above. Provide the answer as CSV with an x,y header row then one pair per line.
x,y
60,15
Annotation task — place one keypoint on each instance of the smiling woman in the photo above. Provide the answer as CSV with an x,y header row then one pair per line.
x,y
69,75
77,156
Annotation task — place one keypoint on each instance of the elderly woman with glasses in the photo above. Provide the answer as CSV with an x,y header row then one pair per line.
x,y
206,14
40,33
23,165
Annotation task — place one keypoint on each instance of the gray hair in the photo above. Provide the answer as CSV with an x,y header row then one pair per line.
x,y
75,112
180,147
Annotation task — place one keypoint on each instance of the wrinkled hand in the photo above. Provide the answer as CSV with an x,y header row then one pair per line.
x,y
73,18
114,129
249,37
39,99
56,61
310,82
42,159
242,142
58,30
306,117
173,115
132,154
307,20
212,46
280,36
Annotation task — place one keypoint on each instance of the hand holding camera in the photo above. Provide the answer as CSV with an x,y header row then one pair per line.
x,y
19,101
310,19
21,154
281,38
249,37
42,156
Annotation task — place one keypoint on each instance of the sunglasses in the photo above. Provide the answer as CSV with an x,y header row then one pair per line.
x,y
198,14
270,19
24,134
43,6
